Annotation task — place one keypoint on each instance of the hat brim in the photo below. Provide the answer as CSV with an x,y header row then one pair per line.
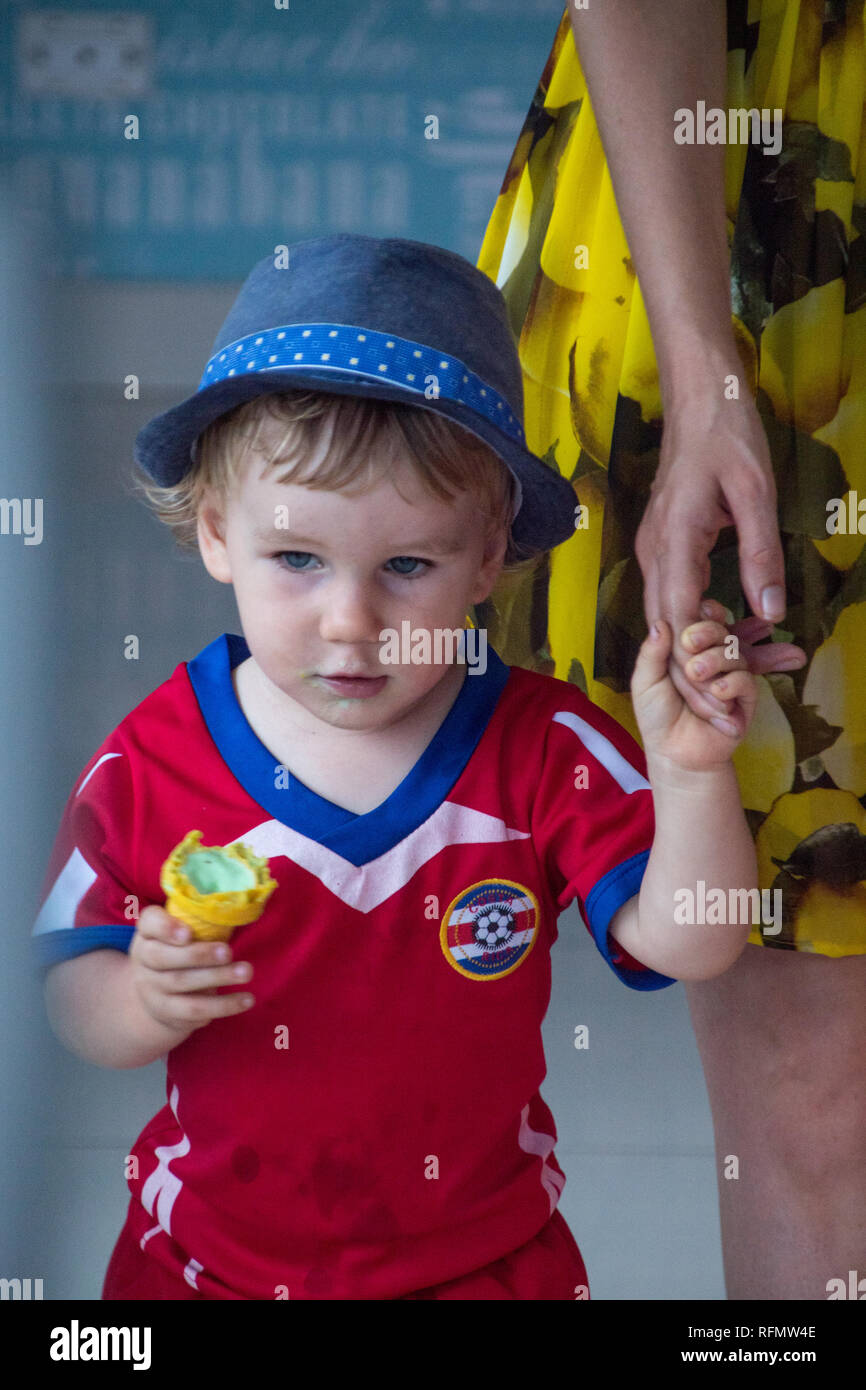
x,y
163,448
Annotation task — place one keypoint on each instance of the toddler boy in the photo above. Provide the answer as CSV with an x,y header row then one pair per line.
x,y
353,1106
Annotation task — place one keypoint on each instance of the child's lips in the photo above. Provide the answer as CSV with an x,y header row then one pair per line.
x,y
360,686
347,676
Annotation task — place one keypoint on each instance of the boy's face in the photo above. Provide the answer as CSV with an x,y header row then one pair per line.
x,y
319,576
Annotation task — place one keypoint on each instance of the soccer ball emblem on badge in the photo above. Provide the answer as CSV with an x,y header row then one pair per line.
x,y
494,925
489,929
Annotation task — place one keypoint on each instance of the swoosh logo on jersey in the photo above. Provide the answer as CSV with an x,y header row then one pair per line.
x,y
601,748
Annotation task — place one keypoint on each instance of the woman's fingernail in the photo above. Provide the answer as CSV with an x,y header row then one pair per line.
x,y
707,609
773,601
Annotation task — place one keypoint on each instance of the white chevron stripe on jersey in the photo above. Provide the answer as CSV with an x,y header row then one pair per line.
x,y
603,750
58,910
366,887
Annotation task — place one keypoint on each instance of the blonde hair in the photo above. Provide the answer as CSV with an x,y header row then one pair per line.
x,y
446,458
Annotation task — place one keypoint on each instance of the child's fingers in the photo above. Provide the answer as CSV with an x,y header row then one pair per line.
x,y
714,654
742,687
163,943
155,924
652,658
712,665
698,636
190,980
183,969
737,685
170,955
177,982
724,687
183,1010
750,629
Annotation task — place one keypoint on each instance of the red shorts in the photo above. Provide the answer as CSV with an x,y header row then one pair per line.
x,y
548,1267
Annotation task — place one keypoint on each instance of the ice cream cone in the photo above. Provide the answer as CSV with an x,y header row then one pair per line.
x,y
215,888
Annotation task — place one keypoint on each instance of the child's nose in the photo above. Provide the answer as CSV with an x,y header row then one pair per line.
x,y
349,615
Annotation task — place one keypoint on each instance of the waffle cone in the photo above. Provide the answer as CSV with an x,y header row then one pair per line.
x,y
214,916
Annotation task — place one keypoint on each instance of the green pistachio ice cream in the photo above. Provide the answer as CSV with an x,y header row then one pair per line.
x,y
212,872
215,888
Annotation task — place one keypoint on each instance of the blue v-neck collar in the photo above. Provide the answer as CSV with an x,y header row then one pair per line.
x,y
357,838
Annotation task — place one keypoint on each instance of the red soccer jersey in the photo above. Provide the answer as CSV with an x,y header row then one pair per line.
x,y
372,1126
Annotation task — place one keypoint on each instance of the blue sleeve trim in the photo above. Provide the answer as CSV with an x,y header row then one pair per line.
x,y
604,900
49,948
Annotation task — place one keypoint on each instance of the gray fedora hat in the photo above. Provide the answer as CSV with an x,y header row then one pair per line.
x,y
386,318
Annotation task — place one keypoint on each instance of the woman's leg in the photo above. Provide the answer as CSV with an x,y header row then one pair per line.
x,y
782,1037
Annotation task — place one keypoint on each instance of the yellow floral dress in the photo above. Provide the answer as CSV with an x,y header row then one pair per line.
x,y
797,233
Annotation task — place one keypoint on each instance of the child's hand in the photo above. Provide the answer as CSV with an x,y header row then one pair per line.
x,y
177,981
668,727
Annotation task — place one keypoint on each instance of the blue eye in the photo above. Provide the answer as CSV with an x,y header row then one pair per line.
x,y
409,574
285,559
288,554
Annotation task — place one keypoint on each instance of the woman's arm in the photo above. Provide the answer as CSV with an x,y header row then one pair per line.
x,y
643,59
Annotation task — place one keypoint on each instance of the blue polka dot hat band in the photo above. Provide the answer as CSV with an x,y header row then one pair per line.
x,y
377,317
340,347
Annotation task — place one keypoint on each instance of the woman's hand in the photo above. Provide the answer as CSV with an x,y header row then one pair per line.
x,y
714,471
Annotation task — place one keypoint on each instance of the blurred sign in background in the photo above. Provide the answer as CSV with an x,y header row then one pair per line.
x,y
259,125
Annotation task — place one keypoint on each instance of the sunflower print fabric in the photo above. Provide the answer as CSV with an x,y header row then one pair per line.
x,y
797,234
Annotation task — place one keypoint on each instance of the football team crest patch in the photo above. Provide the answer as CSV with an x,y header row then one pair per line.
x,y
490,928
